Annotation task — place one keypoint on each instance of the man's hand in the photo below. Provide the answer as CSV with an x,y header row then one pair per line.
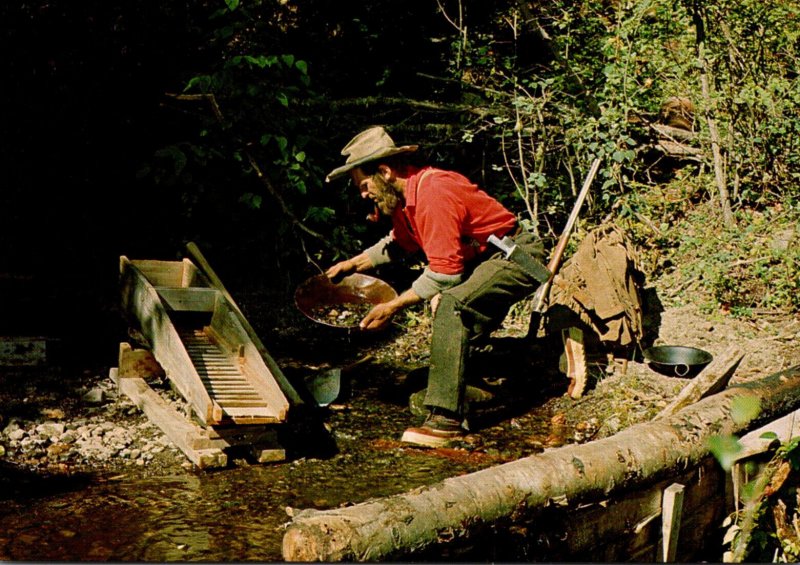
x,y
341,269
379,317
357,264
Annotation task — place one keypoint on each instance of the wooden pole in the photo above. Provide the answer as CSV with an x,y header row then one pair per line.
x,y
633,458
541,296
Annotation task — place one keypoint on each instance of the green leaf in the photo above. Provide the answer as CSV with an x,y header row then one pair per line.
x,y
178,157
768,435
232,4
200,81
745,408
283,99
288,60
320,214
302,66
724,448
260,61
251,200
300,156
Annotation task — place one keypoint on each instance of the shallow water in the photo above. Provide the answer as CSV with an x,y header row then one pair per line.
x,y
240,513
235,514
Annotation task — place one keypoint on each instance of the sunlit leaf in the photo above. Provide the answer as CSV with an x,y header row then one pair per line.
x,y
745,408
724,448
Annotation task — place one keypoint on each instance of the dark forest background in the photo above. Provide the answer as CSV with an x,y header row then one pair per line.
x,y
131,128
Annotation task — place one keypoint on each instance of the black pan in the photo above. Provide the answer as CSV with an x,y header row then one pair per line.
x,y
677,360
318,295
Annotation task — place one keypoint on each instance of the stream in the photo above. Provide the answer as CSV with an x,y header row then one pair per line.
x,y
239,513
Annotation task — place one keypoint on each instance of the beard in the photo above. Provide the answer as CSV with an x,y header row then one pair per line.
x,y
387,197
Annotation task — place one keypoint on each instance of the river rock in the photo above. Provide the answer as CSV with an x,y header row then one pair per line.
x,y
94,396
50,429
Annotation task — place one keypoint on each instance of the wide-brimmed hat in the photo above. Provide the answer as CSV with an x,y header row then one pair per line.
x,y
369,145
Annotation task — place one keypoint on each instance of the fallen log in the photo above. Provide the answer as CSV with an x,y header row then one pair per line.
x,y
711,380
450,510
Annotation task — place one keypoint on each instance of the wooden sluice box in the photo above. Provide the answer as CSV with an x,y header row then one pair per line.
x,y
208,351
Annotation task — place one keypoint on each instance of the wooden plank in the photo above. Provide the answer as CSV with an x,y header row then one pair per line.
x,y
264,454
753,444
711,380
161,273
235,436
219,363
194,299
192,275
672,508
226,328
179,430
137,363
627,527
285,386
140,299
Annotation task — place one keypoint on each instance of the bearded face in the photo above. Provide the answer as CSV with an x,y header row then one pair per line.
x,y
386,196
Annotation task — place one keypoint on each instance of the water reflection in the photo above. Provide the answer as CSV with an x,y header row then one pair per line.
x,y
163,519
233,515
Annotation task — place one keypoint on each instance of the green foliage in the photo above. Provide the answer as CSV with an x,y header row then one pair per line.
x,y
725,448
549,87
609,67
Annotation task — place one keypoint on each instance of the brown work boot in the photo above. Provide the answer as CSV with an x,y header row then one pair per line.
x,y
575,354
439,430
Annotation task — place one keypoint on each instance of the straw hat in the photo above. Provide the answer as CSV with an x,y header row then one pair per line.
x,y
369,145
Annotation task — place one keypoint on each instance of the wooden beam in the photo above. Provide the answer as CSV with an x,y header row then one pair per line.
x,y
672,508
228,330
140,299
711,380
197,299
785,428
283,382
137,363
174,425
267,454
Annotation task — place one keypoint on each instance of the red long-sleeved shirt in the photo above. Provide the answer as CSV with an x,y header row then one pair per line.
x,y
448,218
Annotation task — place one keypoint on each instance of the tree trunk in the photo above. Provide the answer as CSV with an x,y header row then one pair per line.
x,y
719,167
402,524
